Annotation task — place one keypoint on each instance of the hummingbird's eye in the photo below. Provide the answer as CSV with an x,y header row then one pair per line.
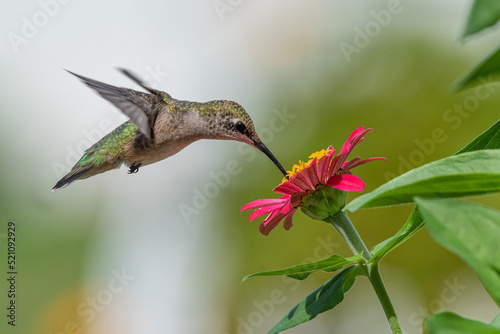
x,y
240,126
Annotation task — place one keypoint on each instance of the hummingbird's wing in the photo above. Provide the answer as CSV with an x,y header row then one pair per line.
x,y
138,81
130,102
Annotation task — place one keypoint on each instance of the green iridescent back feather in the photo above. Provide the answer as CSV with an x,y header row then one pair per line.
x,y
112,145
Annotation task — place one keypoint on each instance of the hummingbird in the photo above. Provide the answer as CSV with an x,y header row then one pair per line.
x,y
159,127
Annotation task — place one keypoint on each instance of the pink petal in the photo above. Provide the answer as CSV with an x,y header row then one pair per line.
x,y
346,182
347,144
346,147
322,168
270,217
274,219
270,222
265,210
266,229
288,188
359,138
311,174
336,163
356,137
296,198
347,165
356,132
358,162
287,224
260,203
302,181
286,208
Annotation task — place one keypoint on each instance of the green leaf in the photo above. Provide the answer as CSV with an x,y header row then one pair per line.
x,y
451,323
490,139
496,322
482,72
301,271
322,299
466,174
483,14
469,230
412,225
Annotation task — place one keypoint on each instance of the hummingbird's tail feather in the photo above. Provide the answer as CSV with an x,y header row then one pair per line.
x,y
107,154
80,172
75,173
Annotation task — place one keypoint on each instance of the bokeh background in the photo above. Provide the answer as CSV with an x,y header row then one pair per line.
x,y
146,253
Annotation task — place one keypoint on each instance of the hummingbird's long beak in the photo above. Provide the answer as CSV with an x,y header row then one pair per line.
x,y
266,151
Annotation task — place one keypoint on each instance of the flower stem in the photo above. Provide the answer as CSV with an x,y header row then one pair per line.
x,y
344,226
383,297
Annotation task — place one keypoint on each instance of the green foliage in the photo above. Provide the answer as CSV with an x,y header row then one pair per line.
x,y
483,14
448,323
302,271
496,322
470,173
469,230
489,66
322,299
489,139
412,226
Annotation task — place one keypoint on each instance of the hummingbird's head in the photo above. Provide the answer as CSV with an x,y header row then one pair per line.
x,y
233,122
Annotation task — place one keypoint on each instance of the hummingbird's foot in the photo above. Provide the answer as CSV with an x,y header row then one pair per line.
x,y
134,168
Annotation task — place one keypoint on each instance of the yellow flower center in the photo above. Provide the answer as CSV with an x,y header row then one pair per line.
x,y
298,168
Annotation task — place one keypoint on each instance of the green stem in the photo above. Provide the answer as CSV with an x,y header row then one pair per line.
x,y
383,297
344,226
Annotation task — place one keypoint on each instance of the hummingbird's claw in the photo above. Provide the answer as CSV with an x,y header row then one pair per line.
x,y
134,168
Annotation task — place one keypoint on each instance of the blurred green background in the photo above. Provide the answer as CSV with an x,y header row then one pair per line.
x,y
118,253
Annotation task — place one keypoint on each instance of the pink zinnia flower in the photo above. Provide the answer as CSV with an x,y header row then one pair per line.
x,y
321,171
